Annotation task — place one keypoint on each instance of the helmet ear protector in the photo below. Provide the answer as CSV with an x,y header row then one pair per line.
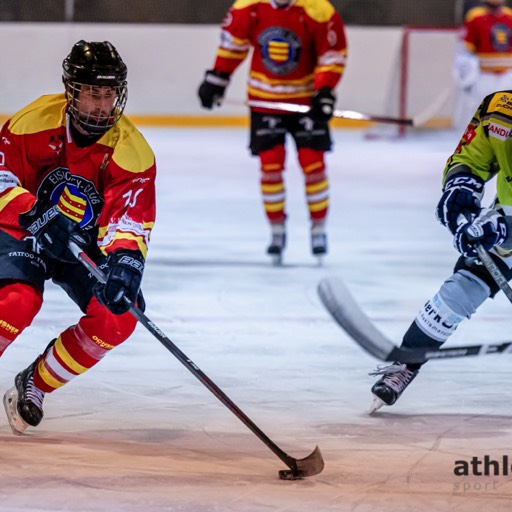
x,y
88,68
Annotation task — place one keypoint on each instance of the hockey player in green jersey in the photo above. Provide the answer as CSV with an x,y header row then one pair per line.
x,y
484,152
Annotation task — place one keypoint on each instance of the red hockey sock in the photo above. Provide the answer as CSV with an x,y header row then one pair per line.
x,y
317,184
81,346
272,184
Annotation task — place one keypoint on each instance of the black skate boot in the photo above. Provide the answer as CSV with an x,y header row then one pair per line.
x,y
277,244
318,241
395,378
24,402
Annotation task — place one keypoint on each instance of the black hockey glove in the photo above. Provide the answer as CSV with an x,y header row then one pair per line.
x,y
461,196
211,91
322,105
124,275
53,230
488,229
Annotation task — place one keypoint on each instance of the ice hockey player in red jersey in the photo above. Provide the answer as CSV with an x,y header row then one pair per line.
x,y
72,168
299,53
483,57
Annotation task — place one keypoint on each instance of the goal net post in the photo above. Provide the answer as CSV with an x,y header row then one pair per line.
x,y
422,87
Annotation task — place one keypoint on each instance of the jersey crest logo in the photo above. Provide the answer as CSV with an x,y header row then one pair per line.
x,y
500,37
75,196
280,50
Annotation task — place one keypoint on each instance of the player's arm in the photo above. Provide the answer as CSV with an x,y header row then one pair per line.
x,y
331,48
232,50
466,172
125,226
14,198
22,215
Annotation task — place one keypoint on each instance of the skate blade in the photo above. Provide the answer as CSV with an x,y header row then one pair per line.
x,y
320,259
375,405
18,426
277,260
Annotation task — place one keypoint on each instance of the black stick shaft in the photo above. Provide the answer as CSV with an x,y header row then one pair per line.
x,y
494,270
188,363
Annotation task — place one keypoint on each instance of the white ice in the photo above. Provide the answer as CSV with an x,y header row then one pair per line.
x,y
139,433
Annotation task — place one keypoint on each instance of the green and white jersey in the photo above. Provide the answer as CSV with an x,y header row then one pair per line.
x,y
486,147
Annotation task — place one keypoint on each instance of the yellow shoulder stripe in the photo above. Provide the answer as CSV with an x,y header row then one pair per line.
x,y
501,103
45,113
242,4
475,13
131,151
320,11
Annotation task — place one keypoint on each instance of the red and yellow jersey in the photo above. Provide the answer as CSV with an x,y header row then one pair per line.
x,y
296,50
488,34
108,186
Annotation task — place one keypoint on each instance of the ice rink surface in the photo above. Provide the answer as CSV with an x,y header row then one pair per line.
x,y
138,433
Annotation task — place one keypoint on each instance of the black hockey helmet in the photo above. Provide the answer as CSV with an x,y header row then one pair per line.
x,y
94,64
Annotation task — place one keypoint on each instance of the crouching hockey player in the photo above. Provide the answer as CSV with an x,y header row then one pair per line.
x,y
484,151
72,168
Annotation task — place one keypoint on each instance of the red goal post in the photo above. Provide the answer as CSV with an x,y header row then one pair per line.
x,y
422,87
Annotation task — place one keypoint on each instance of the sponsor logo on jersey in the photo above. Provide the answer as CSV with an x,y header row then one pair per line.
x,y
498,132
75,196
56,144
502,103
280,50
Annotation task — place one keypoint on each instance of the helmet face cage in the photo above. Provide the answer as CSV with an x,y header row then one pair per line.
x,y
86,105
96,89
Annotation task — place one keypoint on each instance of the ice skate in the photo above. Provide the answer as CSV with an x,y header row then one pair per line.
x,y
388,389
277,244
23,403
318,241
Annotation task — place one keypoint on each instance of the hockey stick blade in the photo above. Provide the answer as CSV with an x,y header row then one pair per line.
x,y
342,114
299,468
311,465
346,312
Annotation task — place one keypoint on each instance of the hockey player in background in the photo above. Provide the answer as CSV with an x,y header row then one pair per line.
x,y
484,152
483,57
299,57
72,168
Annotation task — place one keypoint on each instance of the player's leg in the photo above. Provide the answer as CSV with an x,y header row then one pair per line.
x,y
74,351
313,139
22,275
19,304
267,141
458,298
317,196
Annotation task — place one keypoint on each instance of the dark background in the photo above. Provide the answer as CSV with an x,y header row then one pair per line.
x,y
441,13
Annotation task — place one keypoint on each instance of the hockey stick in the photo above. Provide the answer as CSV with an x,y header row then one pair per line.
x,y
494,270
347,313
343,114
311,465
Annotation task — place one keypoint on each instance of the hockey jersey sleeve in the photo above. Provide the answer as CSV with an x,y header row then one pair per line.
x,y
476,152
128,213
14,198
234,43
331,48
